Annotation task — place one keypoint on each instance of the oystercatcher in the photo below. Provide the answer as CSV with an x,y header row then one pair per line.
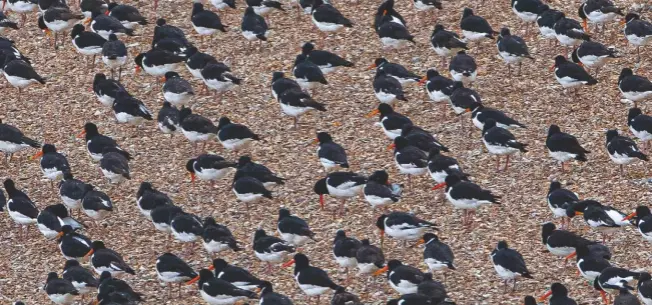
x,y
345,249
643,221
157,62
598,12
205,22
208,167
114,55
234,136
512,48
110,284
387,8
72,191
427,5
264,7
500,141
103,259
186,228
644,288
105,25
247,167
564,147
402,226
463,68
622,150
369,257
570,74
249,189
559,294
218,77
217,238
546,20
439,87
20,74
475,28
72,244
295,102
235,275
81,278
436,254
635,88
12,140
96,142
148,198
392,122
327,18
280,84
604,219
446,43
128,109
128,15
172,269
307,74
402,278
480,114
434,289
20,207
341,185
177,90
326,61
397,71
379,192
409,159
165,34
638,32
114,165
217,291
270,249
22,7
53,164
87,43
168,119
560,242
342,297
196,128
162,216
59,19
589,265
88,6
294,230
559,199
613,279
438,165
330,153
466,195
387,88
106,89
196,61
527,11
253,26
569,32
392,34
48,224
313,281
509,264
269,297
60,291
593,55
62,213
96,204
222,4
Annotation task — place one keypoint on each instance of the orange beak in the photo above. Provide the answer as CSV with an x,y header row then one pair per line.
x,y
37,155
47,32
391,146
211,267
545,296
571,255
604,297
552,68
193,280
89,253
137,70
59,235
95,302
372,66
579,213
381,271
420,242
81,134
107,12
623,22
315,141
372,113
163,79
321,202
438,186
384,12
192,177
423,80
288,264
630,216
467,110
585,25
87,21
580,64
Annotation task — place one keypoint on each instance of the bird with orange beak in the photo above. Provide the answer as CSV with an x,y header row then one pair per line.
x,y
559,295
312,281
209,167
402,226
342,185
402,278
53,164
466,195
643,221
104,259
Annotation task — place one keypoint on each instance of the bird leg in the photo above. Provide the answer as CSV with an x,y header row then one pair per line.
x,y
497,162
622,171
507,162
296,123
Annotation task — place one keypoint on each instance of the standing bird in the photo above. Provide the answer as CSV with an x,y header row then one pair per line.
x,y
217,76
312,281
96,204
379,192
344,251
512,49
269,297
409,159
326,61
391,121
638,32
253,26
480,114
340,185
106,25
466,195
172,269
397,71
128,109
20,207
393,35
128,15
168,119
387,89
475,28
249,189
440,165
114,55
546,20
217,291
208,167
307,74
527,11
294,230
598,12
330,154
87,43
217,238
622,150
59,19
196,61
196,128
643,221
436,254
559,199
402,226
205,22
564,147
234,136
114,165
81,278
463,68
570,74
105,89
264,7
270,249
404,279
148,198
72,244
177,90
12,140
369,257
446,43
509,264
96,143
187,228
500,141
439,87
635,88
593,55
53,164
295,102
569,32
103,259
640,125
20,74
327,18
157,62
247,167
60,291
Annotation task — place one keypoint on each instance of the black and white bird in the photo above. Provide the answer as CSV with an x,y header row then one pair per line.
x,y
249,189
436,254
560,242
12,140
20,207
205,22
589,265
570,74
130,110
427,5
87,7
234,136
128,15
114,55
463,68
397,71
110,284
307,74
105,25
253,26
593,55
602,218
391,121
558,294
157,62
280,84
345,249
186,228
369,257
162,215
177,90
96,204
341,185
403,226
296,102
440,165
446,43
59,18
404,279
72,244
235,275
330,154
547,17
387,89
294,230
48,223
217,76
643,219
527,11
59,210
564,147
378,192
217,237
270,249
409,159
103,259
512,49
509,264
114,165
96,143
313,281
168,119
53,164
623,150
500,141
392,34
217,291
598,12
644,288
223,4
60,291
420,138
148,198
439,87
269,297
475,28
171,269
196,61
106,89
247,167
196,128
87,43
613,279
20,74
569,32
81,278
264,7
635,88
559,199
480,114
466,195
327,18
22,7
638,32
326,61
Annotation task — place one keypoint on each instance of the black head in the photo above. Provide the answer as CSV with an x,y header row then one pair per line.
x,y
457,85
632,16
97,245
547,228
71,263
644,277
553,129
209,221
505,32
379,62
10,186
489,123
66,229
189,165
380,176
320,187
611,133
406,129
58,210
429,236
277,75
452,179
300,58
432,73
582,250
393,264
558,289
560,60
249,10
260,233
219,265
554,185
99,77
68,176
283,212
340,234
467,12
104,276
113,37
401,142
223,122
265,287
625,72
307,48
90,130
365,242
52,276
633,112
434,152
184,112
76,30
380,222
49,148
244,160
324,137
385,109
642,211
301,261
542,8
197,7
204,276
171,75
166,104
502,245
139,59
160,22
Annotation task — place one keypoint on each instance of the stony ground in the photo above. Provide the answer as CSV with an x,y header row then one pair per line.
x,y
56,112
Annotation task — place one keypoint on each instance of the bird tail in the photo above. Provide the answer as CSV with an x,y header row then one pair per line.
x,y
12,25
640,155
581,157
348,63
401,97
592,81
267,194
443,148
129,32
344,165
518,145
261,37
142,21
314,104
275,4
125,154
450,266
612,9
527,274
31,142
130,271
275,179
233,244
578,35
127,176
323,81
